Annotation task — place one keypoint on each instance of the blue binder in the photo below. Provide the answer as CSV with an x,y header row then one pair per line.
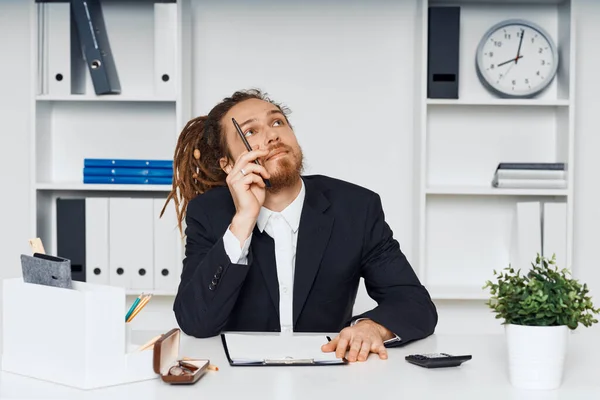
x,y
121,171
127,163
128,180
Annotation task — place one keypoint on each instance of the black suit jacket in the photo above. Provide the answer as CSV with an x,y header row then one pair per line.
x,y
342,237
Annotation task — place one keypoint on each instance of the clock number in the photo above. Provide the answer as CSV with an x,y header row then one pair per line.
x,y
491,54
540,50
492,66
507,36
526,80
519,34
543,62
498,44
514,82
538,73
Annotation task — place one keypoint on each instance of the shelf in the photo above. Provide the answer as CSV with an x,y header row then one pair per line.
x,y
76,186
490,191
111,98
440,292
499,102
483,2
136,292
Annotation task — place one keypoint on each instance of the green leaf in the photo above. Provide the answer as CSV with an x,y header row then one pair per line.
x,y
544,295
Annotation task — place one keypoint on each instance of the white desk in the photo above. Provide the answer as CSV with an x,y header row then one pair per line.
x,y
483,377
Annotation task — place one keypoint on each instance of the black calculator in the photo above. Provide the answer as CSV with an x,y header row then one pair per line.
x,y
436,360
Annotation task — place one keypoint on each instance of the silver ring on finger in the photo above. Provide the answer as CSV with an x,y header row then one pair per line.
x,y
243,172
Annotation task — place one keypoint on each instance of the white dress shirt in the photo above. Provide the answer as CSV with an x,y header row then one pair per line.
x,y
283,228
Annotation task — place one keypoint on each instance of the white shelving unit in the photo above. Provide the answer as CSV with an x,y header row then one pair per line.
x,y
499,102
463,224
139,123
491,191
102,98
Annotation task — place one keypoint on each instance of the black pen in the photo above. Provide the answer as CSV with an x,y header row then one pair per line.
x,y
239,130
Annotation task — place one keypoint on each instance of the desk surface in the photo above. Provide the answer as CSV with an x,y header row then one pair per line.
x,y
483,377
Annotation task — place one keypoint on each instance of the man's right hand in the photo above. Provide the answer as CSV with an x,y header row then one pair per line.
x,y
245,182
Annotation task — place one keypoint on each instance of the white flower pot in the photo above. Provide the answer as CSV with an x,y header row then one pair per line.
x,y
536,355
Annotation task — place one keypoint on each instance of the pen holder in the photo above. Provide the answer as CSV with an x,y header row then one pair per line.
x,y
76,337
129,344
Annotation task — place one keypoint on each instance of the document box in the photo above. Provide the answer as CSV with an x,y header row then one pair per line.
x,y
76,337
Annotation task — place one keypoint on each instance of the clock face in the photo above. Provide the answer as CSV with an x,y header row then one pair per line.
x,y
517,59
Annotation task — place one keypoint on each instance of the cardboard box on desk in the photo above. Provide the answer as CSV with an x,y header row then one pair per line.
x,y
76,337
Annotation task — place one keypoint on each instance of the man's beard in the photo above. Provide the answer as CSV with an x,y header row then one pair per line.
x,y
288,170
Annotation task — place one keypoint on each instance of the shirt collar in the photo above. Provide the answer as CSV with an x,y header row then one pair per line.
x,y
291,213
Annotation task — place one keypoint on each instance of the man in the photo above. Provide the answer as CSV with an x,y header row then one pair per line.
x,y
287,257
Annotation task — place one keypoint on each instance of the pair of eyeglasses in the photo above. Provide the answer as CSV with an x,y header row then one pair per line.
x,y
182,368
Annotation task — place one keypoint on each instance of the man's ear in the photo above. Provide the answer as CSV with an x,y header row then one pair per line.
x,y
225,164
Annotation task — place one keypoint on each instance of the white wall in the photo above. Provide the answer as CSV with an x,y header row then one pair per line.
x,y
343,67
15,120
353,86
587,145
15,94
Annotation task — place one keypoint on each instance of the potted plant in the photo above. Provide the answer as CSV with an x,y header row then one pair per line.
x,y
539,308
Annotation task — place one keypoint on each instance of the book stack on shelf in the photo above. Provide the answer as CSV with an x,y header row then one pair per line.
x,y
127,171
530,176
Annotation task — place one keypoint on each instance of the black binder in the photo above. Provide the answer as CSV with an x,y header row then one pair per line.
x,y
70,235
443,52
95,46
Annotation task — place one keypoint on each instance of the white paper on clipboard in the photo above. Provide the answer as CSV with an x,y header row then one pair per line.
x,y
277,349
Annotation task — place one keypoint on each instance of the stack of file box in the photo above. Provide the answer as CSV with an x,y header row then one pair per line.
x,y
530,176
127,171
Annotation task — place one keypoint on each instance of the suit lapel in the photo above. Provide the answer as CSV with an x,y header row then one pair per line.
x,y
264,254
313,236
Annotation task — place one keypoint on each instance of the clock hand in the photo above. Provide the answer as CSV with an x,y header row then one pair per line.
x,y
519,50
507,71
511,60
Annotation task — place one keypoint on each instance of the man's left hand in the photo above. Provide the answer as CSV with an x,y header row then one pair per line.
x,y
363,338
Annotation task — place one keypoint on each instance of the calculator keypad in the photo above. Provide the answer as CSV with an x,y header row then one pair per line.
x,y
436,355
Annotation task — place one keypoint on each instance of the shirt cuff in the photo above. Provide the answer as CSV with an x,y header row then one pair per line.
x,y
392,340
237,254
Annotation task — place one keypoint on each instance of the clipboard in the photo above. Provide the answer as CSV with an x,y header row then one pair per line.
x,y
271,359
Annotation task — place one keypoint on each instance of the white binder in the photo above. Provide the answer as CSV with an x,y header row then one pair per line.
x,y
131,243
167,261
526,241
76,337
57,21
165,49
96,240
555,233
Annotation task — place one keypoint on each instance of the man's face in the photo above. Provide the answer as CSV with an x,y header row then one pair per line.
x,y
265,127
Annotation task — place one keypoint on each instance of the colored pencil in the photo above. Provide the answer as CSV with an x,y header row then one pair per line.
x,y
135,303
149,343
210,367
139,307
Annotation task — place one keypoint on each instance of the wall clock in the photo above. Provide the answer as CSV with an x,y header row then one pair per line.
x,y
516,59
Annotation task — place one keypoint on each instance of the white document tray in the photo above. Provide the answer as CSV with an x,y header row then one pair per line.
x,y
75,337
